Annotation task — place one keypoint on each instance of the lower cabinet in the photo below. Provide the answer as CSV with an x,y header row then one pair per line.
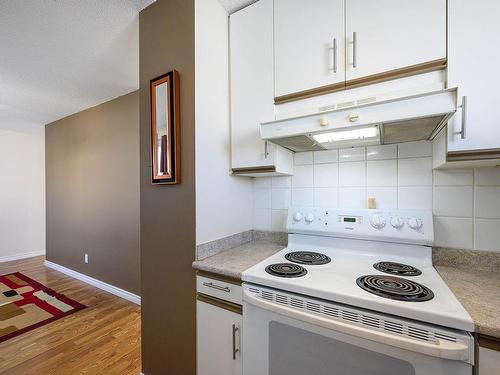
x,y
219,333
488,356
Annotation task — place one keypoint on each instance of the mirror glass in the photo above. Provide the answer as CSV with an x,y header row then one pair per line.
x,y
165,129
162,133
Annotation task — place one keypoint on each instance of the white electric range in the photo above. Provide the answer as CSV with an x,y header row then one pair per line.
x,y
355,293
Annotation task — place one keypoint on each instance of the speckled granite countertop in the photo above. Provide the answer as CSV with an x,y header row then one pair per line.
x,y
233,262
479,292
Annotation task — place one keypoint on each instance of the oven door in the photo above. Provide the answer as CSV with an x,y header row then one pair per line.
x,y
281,340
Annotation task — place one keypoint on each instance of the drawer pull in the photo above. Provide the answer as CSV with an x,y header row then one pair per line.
x,y
218,287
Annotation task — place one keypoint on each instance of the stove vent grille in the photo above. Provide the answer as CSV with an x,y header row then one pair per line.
x,y
354,316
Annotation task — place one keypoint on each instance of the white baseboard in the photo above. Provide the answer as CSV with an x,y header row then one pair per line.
x,y
94,282
9,258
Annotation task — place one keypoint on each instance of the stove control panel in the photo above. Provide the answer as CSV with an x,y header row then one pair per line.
x,y
406,226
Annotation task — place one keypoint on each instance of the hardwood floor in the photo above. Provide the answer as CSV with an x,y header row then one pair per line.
x,y
105,338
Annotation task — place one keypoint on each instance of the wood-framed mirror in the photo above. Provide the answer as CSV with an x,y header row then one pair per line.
x,y
165,131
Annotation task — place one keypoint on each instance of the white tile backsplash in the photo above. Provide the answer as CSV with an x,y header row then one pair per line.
x,y
382,173
352,197
302,197
280,198
326,175
453,201
352,154
278,220
262,183
262,198
465,202
326,197
487,202
453,232
302,176
487,234
415,172
381,152
452,177
487,176
281,182
386,197
414,149
415,197
352,173
303,158
329,156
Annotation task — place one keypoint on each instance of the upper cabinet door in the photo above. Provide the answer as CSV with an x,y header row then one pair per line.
x,y
386,35
251,49
473,57
308,44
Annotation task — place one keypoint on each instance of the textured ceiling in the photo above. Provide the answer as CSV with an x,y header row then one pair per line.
x,y
234,5
58,57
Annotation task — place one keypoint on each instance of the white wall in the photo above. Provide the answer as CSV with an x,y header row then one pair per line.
x,y
223,202
466,203
22,191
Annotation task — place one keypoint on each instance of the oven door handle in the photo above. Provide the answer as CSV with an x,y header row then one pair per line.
x,y
440,348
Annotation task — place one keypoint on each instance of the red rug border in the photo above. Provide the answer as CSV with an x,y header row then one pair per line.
x,y
77,306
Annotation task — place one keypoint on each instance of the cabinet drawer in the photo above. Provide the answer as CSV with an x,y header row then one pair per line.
x,y
219,289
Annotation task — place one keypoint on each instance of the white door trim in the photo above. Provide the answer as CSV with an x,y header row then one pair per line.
x,y
94,282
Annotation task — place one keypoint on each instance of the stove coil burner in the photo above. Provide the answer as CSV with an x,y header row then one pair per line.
x,y
395,288
307,257
397,269
286,270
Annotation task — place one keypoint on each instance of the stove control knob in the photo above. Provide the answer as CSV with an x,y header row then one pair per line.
x,y
309,218
415,223
377,221
397,222
297,217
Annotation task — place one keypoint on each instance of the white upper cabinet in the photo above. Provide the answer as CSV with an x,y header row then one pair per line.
x,y
322,46
386,35
309,44
252,90
473,57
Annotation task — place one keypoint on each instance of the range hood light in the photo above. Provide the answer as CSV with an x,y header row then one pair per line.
x,y
346,135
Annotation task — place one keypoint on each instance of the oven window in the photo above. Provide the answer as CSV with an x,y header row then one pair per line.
x,y
294,351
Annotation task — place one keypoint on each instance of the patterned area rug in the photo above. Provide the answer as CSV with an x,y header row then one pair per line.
x,y
26,304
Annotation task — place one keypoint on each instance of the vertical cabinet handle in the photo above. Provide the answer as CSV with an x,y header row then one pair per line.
x,y
266,154
235,349
334,55
354,49
464,117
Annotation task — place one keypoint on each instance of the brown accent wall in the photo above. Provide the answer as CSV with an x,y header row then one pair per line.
x,y
92,192
168,212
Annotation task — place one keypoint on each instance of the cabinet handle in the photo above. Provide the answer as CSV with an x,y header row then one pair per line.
x,y
354,49
266,154
235,349
334,55
464,117
218,287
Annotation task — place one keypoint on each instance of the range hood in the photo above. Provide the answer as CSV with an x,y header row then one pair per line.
x,y
403,119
